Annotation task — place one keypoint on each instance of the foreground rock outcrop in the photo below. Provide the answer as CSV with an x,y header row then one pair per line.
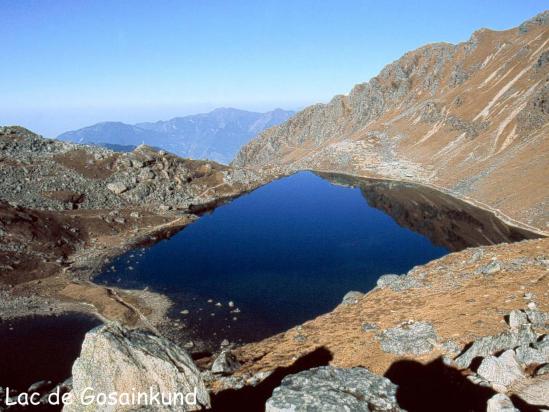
x,y
117,360
471,118
334,389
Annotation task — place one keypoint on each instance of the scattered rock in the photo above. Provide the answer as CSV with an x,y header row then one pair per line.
x,y
366,327
117,187
412,337
490,268
386,280
334,389
226,362
491,344
351,298
399,283
451,347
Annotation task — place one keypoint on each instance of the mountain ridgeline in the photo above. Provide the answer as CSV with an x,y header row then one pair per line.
x,y
470,118
217,135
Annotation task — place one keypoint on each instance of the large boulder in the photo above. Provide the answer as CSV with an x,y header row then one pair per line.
x,y
117,360
330,389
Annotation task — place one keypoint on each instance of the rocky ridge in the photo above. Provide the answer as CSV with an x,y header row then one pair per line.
x,y
471,119
66,209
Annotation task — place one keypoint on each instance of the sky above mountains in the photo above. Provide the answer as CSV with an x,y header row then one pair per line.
x,y
67,64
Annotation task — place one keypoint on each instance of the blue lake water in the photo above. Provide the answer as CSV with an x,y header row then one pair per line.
x,y
283,254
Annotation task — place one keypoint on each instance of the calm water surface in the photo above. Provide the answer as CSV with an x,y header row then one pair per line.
x,y
283,254
40,348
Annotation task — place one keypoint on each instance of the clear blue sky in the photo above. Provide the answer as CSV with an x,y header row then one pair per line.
x,y
69,63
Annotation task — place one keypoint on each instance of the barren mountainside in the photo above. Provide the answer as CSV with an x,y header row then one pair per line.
x,y
471,118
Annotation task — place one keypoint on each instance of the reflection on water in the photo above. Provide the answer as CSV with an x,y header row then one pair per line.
x,y
445,220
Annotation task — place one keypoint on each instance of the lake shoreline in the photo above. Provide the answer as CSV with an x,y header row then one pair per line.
x,y
140,307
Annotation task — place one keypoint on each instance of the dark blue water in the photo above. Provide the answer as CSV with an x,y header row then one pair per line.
x,y
40,348
283,254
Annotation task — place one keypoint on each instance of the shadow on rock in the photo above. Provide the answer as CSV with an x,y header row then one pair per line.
x,y
253,398
436,387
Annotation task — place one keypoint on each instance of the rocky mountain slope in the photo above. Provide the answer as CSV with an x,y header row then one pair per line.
x,y
471,118
65,209
217,135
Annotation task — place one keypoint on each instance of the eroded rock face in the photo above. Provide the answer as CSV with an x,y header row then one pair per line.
x,y
115,359
334,389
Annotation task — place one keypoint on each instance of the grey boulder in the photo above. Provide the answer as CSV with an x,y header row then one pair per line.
x,y
415,338
116,359
331,389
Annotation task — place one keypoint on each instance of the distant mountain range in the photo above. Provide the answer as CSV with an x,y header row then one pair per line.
x,y
217,135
